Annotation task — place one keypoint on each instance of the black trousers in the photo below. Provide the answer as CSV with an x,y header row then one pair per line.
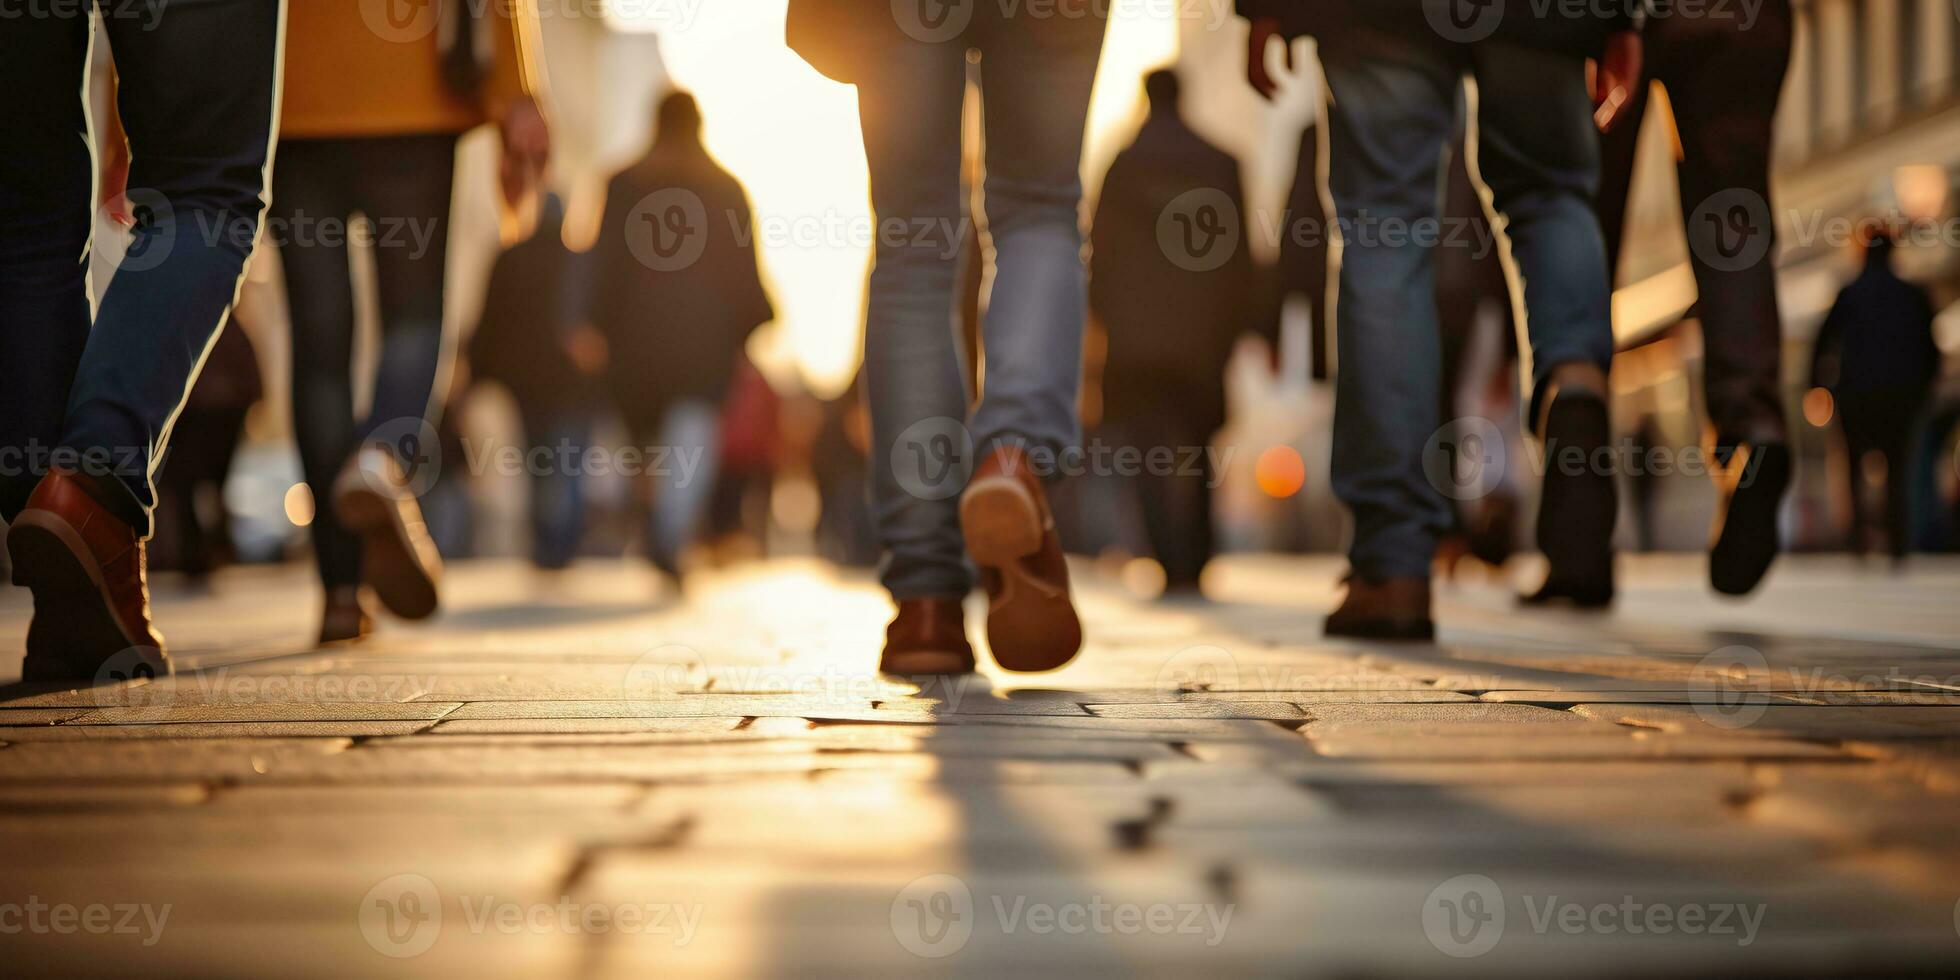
x,y
401,186
1885,422
196,100
1174,500
1723,83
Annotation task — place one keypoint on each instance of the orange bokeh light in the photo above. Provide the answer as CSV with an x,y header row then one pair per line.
x,y
1280,472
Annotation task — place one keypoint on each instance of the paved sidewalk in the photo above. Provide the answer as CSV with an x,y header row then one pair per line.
x,y
575,776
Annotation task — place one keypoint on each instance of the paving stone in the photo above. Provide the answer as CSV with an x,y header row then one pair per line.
x,y
706,727
1274,710
168,714
1442,744
1801,721
16,798
216,729
161,760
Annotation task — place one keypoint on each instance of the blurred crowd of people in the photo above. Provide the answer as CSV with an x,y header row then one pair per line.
x,y
940,462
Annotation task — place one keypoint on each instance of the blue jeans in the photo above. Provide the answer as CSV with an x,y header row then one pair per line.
x,y
683,480
1036,76
558,488
1391,117
196,98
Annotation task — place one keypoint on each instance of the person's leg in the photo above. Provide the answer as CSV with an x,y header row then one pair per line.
x,y
1898,483
1724,87
1035,77
684,485
1389,114
1538,153
45,214
912,374
308,189
197,100
403,188
558,490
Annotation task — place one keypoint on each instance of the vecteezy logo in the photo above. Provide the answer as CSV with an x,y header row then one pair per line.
x,y
1465,459
417,450
128,679
932,21
400,21
153,234
1199,229
1199,668
668,229
1727,690
402,916
1732,230
1463,21
933,916
1464,916
665,671
933,458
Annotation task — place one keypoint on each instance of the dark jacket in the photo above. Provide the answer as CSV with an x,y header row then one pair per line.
x,y
674,323
528,312
1536,25
1171,324
1878,338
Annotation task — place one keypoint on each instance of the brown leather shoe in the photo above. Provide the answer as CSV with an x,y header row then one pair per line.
x,y
1031,624
87,570
927,637
345,618
398,558
1391,609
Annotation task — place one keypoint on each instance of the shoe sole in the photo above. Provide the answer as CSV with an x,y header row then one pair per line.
x,y
918,663
1031,624
1577,512
390,562
71,600
1395,631
1745,541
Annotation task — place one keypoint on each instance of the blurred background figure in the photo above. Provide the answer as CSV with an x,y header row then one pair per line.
x,y
370,125
1723,77
533,340
676,294
1171,325
1876,356
192,520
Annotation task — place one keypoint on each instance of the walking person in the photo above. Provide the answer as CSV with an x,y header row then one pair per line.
x,y
532,338
933,504
1172,318
87,403
371,120
1723,76
1876,355
1391,108
676,295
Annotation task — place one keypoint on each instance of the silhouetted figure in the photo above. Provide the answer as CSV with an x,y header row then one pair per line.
x,y
370,125
193,523
1172,324
524,341
1723,76
676,295
1875,352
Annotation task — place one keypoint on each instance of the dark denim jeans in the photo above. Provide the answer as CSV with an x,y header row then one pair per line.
x,y
196,98
1035,78
401,184
1391,115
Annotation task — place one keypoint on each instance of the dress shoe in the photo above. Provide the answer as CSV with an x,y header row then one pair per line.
x,y
927,637
1388,609
399,560
88,571
1580,502
1752,485
1031,623
345,619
